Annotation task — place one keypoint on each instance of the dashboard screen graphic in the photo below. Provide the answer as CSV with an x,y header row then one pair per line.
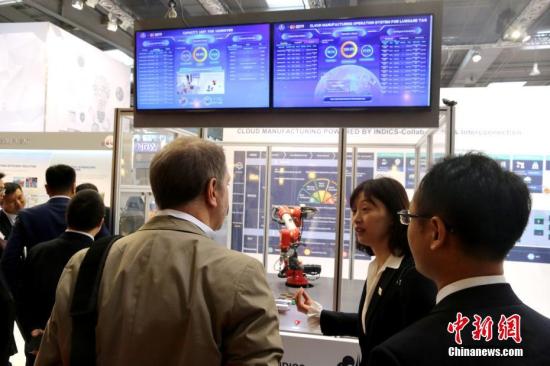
x,y
203,68
368,62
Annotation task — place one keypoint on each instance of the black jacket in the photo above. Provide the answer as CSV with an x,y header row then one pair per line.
x,y
401,297
7,318
32,226
41,272
5,228
5,225
428,342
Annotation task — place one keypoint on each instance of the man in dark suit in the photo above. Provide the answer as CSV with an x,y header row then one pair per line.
x,y
107,216
39,223
45,262
7,318
465,217
7,309
13,202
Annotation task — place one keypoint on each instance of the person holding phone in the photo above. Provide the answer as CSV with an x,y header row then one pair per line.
x,y
395,294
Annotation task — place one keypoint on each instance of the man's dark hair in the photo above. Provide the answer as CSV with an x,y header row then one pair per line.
x,y
11,188
83,186
484,205
392,194
2,175
60,178
180,172
85,210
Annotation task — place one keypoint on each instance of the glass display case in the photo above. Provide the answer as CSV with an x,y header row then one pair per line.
x,y
301,168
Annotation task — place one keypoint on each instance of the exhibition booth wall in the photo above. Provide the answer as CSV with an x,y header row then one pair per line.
x,y
52,81
510,123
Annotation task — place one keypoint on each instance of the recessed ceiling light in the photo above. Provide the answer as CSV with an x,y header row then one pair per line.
x,y
77,4
516,34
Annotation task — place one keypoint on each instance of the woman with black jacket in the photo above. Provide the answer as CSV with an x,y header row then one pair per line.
x,y
395,294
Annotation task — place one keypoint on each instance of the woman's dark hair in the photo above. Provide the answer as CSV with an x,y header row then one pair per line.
x,y
392,194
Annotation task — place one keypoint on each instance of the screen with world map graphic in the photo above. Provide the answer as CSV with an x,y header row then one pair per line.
x,y
367,62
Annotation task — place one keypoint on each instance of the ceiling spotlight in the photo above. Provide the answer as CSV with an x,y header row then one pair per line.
x,y
77,4
171,13
526,39
112,24
476,56
126,24
91,3
515,35
535,70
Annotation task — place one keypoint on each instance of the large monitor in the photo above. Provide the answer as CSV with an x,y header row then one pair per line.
x,y
363,62
203,68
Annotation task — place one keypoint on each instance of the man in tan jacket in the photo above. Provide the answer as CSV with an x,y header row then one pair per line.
x,y
169,294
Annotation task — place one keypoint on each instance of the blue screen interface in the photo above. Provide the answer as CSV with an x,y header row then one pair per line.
x,y
203,68
368,62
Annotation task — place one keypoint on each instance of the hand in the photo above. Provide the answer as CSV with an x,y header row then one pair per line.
x,y
36,333
303,301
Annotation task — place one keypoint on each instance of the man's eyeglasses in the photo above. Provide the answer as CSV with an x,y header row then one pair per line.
x,y
405,217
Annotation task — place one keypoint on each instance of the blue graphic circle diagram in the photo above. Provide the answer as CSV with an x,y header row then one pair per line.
x,y
186,56
200,54
331,52
348,81
367,50
348,49
214,54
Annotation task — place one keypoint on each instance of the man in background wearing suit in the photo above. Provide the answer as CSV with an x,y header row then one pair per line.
x,y
7,310
45,262
35,225
13,202
39,223
107,216
465,217
169,294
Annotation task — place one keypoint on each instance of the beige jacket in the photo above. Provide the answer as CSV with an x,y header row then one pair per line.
x,y
170,297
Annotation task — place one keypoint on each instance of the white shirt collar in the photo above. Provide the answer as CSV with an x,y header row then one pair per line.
x,y
467,283
60,196
80,232
11,217
185,216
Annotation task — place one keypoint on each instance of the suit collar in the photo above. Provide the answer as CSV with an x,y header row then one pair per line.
x,y
56,198
76,237
467,283
484,296
172,223
187,217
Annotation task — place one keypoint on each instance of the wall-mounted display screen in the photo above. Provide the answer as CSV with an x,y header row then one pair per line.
x,y
203,68
367,62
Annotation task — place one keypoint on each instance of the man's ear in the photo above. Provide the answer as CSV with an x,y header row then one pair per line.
x,y
439,233
211,193
47,189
